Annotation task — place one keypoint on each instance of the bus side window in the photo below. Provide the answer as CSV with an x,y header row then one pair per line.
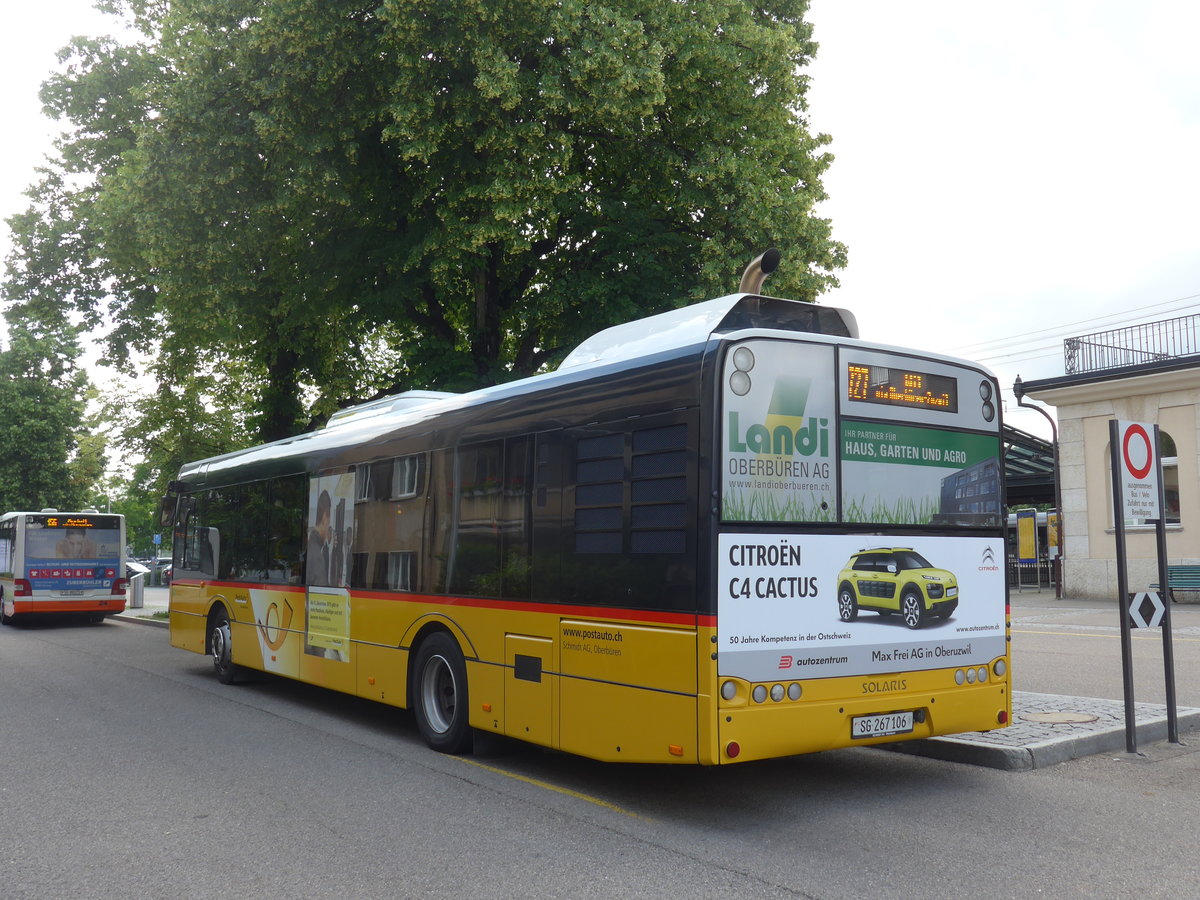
x,y
210,549
631,514
286,529
8,542
474,564
195,508
492,497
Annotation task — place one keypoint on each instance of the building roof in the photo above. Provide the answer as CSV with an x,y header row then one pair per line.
x,y
1176,364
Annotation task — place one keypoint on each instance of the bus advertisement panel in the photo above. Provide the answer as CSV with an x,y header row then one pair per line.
x,y
796,606
874,480
72,554
779,446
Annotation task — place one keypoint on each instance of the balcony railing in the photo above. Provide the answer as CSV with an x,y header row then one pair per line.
x,y
1132,346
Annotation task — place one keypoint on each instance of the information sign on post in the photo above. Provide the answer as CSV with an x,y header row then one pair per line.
x,y
1138,497
1135,454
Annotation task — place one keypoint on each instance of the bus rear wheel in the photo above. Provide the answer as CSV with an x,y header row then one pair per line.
x,y
440,694
220,640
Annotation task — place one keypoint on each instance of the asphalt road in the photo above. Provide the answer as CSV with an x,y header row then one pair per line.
x,y
127,770
1074,647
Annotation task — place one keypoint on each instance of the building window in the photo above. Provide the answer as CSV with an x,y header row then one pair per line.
x,y
406,476
1170,471
362,484
401,571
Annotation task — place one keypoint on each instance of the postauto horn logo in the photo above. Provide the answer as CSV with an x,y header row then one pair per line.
x,y
784,432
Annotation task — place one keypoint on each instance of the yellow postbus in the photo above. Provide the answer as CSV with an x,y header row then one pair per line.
x,y
729,532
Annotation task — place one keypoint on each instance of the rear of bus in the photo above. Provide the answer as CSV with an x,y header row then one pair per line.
x,y
62,563
859,552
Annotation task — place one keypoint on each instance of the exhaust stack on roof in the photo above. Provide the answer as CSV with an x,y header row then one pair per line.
x,y
758,270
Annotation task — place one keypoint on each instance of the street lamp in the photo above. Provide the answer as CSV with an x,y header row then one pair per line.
x,y
1018,389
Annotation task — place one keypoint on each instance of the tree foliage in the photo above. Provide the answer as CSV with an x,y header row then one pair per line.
x,y
48,458
318,201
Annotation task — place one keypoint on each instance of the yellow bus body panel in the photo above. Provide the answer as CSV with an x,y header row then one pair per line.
x,y
628,692
607,689
821,718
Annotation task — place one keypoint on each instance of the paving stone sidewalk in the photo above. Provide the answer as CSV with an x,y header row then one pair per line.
x,y
1052,728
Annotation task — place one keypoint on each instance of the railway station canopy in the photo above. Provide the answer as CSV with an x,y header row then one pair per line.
x,y
1028,469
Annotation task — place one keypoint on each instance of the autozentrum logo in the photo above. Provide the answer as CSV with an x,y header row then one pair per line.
x,y
988,561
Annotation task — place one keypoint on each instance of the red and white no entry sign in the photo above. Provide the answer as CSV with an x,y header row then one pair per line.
x,y
1139,470
1138,450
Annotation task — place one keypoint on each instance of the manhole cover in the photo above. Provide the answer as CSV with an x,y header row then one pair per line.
x,y
1059,717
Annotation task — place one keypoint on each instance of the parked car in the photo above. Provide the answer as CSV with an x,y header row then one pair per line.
x,y
162,568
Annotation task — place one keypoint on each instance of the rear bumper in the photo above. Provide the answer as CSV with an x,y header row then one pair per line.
x,y
106,605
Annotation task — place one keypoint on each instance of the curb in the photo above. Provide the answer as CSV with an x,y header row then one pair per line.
x,y
1151,727
141,620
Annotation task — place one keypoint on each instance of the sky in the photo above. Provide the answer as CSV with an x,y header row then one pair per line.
x,y
29,41
1007,175
1004,175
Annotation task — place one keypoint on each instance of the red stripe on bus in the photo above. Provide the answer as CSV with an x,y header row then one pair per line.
x,y
597,612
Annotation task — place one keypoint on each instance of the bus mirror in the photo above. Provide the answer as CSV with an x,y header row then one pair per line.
x,y
166,512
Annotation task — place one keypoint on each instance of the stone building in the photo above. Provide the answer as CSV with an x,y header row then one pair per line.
x,y
1143,373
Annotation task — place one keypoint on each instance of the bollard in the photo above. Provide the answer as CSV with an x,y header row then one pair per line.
x,y
137,591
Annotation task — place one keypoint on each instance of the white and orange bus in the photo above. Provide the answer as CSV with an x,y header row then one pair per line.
x,y
62,562
729,532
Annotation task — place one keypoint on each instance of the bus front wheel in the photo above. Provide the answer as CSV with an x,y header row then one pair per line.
x,y
221,642
440,694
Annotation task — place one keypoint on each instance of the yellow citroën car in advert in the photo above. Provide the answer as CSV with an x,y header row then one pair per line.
x,y
896,580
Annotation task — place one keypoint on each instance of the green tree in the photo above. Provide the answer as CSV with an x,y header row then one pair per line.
x,y
48,459
319,201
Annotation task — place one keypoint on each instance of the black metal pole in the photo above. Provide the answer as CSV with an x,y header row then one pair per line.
x,y
1019,393
1160,533
1114,442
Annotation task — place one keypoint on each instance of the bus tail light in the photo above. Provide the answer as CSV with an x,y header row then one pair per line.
x,y
732,749
22,588
1002,717
119,586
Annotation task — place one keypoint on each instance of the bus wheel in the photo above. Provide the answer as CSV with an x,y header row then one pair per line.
x,y
221,642
847,604
440,694
912,607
